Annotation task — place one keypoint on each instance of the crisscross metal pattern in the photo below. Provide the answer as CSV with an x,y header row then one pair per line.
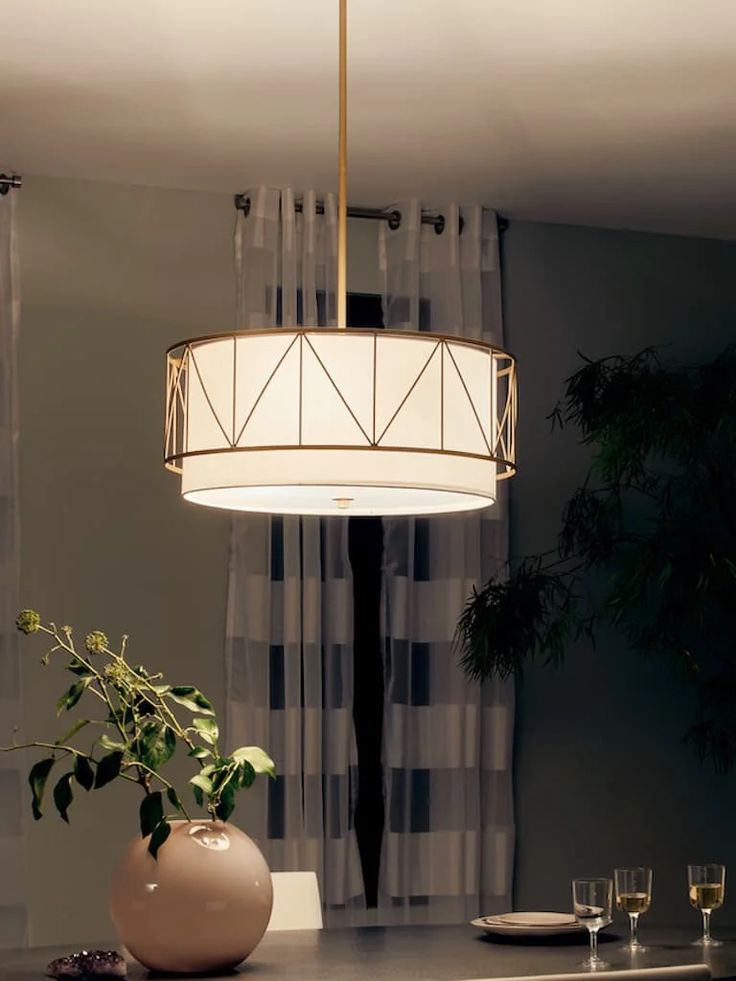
x,y
472,422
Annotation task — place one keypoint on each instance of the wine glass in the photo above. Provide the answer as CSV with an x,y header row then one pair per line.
x,y
633,896
591,901
707,890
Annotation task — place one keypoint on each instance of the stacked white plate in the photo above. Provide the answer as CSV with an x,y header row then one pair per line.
x,y
529,924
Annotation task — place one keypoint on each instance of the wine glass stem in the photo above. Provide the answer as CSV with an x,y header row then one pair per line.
x,y
706,926
634,923
594,945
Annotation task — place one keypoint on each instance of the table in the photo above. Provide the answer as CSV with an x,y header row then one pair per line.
x,y
427,953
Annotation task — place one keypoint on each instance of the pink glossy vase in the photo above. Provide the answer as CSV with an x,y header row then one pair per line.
x,y
202,905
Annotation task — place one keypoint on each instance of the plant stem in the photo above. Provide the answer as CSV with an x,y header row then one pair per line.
x,y
62,748
71,649
40,745
159,699
161,779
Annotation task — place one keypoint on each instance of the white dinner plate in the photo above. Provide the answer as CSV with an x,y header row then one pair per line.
x,y
528,924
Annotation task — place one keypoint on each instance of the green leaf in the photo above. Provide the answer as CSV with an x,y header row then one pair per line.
x,y
247,774
199,752
191,698
174,799
63,795
226,803
204,783
37,779
70,698
161,689
151,813
84,772
208,729
79,724
225,771
159,836
198,795
156,744
76,667
107,743
258,759
108,768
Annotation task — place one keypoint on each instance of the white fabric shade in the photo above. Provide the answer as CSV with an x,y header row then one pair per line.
x,y
295,421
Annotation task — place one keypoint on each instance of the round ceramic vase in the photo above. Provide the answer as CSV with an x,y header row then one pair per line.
x,y
202,905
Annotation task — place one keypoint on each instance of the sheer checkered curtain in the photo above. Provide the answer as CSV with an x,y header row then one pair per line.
x,y
290,619
449,842
13,920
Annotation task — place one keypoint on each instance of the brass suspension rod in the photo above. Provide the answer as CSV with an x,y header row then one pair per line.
x,y
342,188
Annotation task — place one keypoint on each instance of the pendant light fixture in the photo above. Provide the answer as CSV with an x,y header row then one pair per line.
x,y
336,421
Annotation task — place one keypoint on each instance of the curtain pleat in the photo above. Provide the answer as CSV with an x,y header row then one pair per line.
x,y
289,646
449,843
13,911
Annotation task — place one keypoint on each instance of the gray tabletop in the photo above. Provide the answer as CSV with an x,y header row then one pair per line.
x,y
444,953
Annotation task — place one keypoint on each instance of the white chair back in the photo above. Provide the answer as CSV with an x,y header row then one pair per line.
x,y
297,904
684,972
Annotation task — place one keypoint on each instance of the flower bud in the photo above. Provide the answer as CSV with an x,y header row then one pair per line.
x,y
28,621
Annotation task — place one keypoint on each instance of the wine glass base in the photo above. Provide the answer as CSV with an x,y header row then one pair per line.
x,y
595,964
702,942
634,948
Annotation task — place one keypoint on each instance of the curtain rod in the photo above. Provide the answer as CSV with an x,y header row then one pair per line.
x,y
6,182
242,203
393,217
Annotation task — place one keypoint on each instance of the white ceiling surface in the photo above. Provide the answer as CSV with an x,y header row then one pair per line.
x,y
605,112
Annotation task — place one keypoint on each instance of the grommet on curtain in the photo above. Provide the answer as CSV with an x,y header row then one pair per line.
x,y
394,220
8,182
439,224
242,203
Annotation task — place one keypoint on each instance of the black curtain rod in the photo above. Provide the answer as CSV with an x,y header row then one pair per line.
x,y
6,182
393,217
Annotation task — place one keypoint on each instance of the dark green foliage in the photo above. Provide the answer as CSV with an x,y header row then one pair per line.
x,y
648,542
151,813
70,698
192,699
83,772
159,836
63,795
156,743
108,768
37,780
527,616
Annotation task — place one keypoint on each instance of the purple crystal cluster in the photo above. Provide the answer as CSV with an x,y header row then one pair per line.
x,y
88,964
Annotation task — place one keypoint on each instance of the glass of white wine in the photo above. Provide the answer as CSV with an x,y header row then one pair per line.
x,y
591,902
707,890
633,896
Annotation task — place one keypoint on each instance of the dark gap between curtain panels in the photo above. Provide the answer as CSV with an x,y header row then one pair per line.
x,y
365,549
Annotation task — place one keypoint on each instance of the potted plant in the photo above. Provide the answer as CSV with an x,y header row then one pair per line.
x,y
191,893
646,543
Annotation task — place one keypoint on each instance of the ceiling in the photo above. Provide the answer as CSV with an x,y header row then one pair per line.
x,y
619,113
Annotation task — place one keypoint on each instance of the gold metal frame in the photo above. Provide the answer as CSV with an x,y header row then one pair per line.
x,y
181,359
